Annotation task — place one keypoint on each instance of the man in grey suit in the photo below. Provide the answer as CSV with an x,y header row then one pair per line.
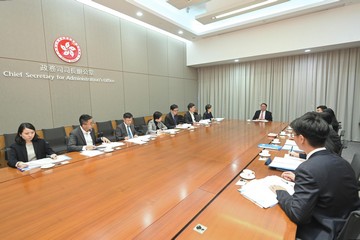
x,y
83,137
325,185
126,130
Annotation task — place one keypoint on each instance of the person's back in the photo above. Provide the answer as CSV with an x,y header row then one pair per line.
x,y
336,196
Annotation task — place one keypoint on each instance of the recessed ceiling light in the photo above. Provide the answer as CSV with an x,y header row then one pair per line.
x,y
307,50
180,32
139,14
236,60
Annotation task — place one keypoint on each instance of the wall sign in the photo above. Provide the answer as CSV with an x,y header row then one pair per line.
x,y
67,49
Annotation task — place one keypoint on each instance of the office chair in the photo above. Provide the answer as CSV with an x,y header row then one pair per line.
x,y
56,137
140,125
351,229
105,129
118,122
9,139
355,164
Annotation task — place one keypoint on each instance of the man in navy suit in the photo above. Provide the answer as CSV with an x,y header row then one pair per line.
x,y
126,130
262,114
325,185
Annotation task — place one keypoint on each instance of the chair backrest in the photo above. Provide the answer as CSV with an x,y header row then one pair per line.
x,y
351,229
75,126
105,129
355,164
344,144
57,139
118,122
9,139
140,125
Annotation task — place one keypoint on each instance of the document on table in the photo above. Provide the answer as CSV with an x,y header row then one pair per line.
x,y
258,120
286,163
219,119
171,130
183,126
290,145
44,161
258,190
91,153
140,140
205,121
111,145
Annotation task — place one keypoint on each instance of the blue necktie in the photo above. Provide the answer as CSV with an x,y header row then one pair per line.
x,y
129,132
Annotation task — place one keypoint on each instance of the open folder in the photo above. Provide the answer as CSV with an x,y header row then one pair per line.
x,y
258,190
287,163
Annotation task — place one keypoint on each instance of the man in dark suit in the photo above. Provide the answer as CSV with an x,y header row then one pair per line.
x,y
126,130
325,185
171,119
189,116
83,137
262,114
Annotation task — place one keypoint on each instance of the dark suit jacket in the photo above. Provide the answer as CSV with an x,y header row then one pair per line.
x,y
169,121
207,115
268,115
17,152
77,140
325,193
187,118
121,131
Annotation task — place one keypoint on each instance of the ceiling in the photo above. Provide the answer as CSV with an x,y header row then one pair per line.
x,y
197,19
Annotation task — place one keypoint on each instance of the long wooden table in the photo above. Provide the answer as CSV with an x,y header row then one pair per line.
x,y
150,191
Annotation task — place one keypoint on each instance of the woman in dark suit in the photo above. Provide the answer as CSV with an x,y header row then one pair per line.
x,y
27,147
207,113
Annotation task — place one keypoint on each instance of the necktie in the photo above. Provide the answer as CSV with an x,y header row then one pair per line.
x,y
262,115
129,132
174,119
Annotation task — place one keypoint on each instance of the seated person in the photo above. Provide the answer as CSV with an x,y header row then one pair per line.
x,y
325,185
262,114
171,119
334,122
83,137
321,108
27,147
333,142
207,114
189,116
126,130
156,123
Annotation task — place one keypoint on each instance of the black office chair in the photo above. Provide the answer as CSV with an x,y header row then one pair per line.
x,y
140,125
342,135
56,137
355,164
118,122
9,139
180,119
351,229
105,129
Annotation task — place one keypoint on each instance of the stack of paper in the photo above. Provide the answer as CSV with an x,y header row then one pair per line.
x,y
205,121
258,120
286,163
140,140
111,145
44,161
183,126
91,153
290,145
258,190
219,119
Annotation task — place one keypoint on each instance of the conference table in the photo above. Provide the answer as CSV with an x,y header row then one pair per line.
x,y
157,190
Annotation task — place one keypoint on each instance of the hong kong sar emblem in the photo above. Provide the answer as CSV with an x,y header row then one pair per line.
x,y
67,49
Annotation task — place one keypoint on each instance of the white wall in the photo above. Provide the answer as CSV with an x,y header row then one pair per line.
x,y
332,27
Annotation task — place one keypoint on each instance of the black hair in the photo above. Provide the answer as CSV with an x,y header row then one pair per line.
x,y
19,139
84,118
207,107
127,115
323,107
157,115
263,104
334,122
190,105
313,127
173,106
326,116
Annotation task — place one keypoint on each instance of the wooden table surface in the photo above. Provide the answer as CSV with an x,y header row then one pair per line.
x,y
149,191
